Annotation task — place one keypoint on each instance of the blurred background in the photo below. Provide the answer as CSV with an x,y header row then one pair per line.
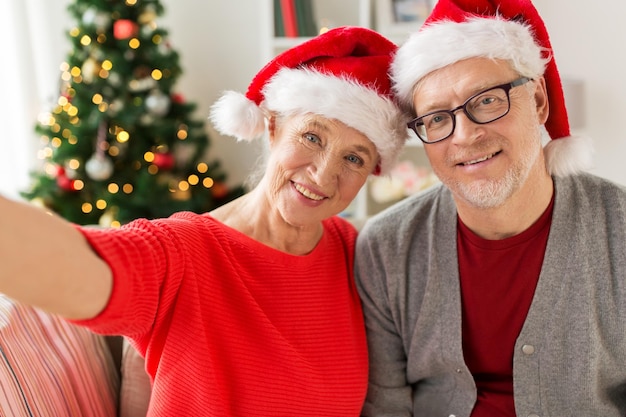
x,y
222,45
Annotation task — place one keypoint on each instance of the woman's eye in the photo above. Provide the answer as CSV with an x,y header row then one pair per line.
x,y
353,159
310,137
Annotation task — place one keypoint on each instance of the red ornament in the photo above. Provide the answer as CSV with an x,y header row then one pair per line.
x,y
178,98
125,29
219,190
164,161
65,183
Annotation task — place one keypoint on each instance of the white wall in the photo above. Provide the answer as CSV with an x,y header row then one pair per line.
x,y
219,44
587,39
220,47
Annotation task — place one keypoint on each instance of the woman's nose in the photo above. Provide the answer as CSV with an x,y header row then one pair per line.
x,y
325,169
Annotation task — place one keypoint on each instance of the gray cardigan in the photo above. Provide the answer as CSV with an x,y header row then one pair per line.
x,y
570,358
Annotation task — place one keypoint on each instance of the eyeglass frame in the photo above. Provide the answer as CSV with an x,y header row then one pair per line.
x,y
452,112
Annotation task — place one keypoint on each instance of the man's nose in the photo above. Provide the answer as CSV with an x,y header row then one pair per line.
x,y
466,130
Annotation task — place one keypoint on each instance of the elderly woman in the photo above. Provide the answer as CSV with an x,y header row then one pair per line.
x,y
250,309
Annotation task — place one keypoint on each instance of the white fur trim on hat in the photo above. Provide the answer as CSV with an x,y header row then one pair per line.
x,y
445,42
299,91
293,91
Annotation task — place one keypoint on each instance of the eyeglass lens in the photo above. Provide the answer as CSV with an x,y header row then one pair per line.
x,y
483,108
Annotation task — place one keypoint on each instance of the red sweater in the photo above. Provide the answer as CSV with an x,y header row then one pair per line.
x,y
231,327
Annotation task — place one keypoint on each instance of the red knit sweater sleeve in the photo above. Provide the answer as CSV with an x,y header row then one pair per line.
x,y
147,265
232,327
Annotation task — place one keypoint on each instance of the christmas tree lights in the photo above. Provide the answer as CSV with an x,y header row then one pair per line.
x,y
120,143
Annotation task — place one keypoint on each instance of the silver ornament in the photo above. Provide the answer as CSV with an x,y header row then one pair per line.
x,y
157,103
99,167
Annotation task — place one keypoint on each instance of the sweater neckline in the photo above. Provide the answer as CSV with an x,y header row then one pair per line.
x,y
241,239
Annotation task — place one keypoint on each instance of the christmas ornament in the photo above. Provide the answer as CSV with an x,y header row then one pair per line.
x,y
178,98
164,160
60,170
142,84
66,95
90,69
124,29
219,190
148,15
98,19
157,103
65,183
99,167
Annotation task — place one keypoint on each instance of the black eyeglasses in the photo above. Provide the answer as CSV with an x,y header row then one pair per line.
x,y
484,107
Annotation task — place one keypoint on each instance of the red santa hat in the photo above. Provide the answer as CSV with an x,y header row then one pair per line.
x,y
510,30
342,74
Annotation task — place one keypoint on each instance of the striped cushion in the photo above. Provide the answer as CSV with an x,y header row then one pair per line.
x,y
49,367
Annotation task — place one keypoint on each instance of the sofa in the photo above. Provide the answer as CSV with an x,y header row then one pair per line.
x,y
50,367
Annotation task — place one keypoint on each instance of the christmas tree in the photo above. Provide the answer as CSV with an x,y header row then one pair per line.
x,y
119,143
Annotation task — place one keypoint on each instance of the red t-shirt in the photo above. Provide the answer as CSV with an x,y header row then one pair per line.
x,y
498,281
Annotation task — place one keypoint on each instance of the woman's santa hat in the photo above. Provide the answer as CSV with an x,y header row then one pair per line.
x,y
511,30
342,74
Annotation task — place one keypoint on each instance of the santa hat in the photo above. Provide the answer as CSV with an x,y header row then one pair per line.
x,y
510,30
342,74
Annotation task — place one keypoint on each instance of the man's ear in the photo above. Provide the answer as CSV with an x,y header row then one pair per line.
x,y
541,100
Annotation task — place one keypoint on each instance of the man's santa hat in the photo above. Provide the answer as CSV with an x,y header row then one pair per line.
x,y
511,30
342,74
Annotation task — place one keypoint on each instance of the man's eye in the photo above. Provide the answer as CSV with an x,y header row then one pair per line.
x,y
487,100
436,120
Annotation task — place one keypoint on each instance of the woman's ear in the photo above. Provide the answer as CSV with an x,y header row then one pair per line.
x,y
271,126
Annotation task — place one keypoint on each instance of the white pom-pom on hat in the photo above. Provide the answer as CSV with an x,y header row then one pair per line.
x,y
235,115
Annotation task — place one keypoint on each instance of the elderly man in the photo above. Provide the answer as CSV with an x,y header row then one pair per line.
x,y
501,292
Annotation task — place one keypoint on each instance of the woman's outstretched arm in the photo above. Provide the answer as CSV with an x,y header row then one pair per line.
x,y
47,263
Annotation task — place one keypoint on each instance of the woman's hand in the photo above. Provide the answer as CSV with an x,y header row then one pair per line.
x,y
47,263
